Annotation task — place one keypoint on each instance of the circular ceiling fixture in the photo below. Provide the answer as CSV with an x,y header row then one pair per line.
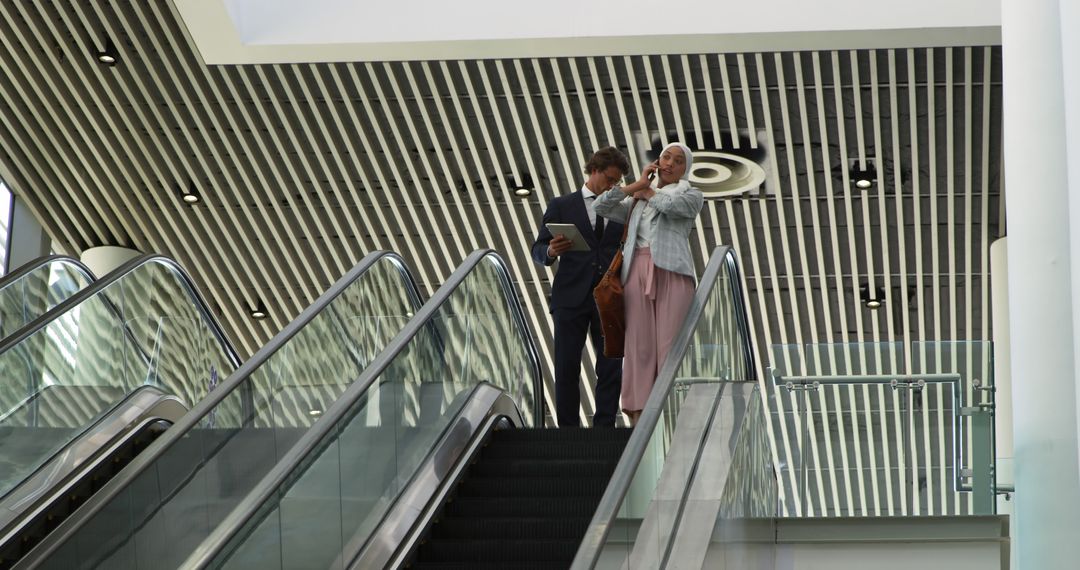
x,y
722,174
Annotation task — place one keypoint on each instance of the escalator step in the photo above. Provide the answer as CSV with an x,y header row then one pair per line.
x,y
563,434
532,486
488,566
553,468
603,450
503,528
501,550
573,507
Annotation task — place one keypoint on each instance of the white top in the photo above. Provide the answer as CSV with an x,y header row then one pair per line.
x,y
646,230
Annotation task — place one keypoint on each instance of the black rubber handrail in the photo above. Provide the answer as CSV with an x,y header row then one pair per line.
x,y
236,380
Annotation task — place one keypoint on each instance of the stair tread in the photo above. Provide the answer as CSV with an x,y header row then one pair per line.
x,y
536,528
490,550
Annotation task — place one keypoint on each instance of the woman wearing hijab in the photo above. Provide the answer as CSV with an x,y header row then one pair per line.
x,y
658,272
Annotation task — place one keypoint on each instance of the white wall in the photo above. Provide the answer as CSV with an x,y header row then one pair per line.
x,y
891,556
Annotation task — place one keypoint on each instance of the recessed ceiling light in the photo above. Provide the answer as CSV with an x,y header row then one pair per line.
x,y
259,312
872,299
315,413
524,186
108,56
863,173
190,198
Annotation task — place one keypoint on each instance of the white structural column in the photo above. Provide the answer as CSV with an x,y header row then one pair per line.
x,y
1041,261
103,259
1070,60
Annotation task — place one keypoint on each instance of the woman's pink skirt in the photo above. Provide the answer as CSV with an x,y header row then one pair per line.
x,y
656,304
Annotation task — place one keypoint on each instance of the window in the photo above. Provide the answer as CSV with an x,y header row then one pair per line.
x,y
5,225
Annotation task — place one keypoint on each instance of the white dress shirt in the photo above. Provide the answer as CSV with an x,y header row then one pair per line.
x,y
590,200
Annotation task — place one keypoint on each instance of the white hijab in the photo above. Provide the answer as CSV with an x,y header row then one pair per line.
x,y
683,183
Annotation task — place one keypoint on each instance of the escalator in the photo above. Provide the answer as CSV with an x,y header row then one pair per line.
x,y
478,484
90,383
158,509
430,455
36,287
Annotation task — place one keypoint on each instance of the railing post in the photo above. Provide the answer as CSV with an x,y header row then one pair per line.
x,y
983,496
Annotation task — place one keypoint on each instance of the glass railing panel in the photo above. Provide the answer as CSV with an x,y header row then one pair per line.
x,y
788,420
823,469
854,440
346,474
827,359
973,361
170,502
745,528
33,290
144,326
25,295
676,495
750,489
879,432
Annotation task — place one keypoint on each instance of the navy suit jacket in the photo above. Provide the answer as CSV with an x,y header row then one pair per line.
x,y
578,271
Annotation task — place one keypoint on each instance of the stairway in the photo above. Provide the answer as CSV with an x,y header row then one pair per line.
x,y
525,502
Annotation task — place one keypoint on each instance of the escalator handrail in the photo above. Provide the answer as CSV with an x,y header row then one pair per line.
x,y
119,273
723,258
12,517
223,534
180,429
39,262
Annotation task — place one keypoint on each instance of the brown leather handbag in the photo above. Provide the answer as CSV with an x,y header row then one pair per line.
x,y
609,300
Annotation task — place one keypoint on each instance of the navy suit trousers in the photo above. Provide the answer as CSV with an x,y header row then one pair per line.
x,y
572,326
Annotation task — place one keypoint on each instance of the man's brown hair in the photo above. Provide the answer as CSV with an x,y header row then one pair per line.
x,y
606,158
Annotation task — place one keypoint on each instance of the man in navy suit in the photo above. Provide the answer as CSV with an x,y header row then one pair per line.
x,y
573,309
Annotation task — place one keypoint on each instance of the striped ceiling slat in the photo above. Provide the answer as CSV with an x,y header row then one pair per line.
x,y
303,168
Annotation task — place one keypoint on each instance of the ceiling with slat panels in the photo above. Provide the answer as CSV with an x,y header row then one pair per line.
x,y
304,168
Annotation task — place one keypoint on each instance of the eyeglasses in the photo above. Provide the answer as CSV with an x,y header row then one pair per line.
x,y
612,180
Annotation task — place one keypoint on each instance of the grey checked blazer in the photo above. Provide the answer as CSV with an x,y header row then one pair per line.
x,y
678,205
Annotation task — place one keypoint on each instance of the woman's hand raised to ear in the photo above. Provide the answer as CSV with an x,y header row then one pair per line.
x,y
641,188
649,172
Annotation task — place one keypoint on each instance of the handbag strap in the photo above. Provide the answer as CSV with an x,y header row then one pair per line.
x,y
626,227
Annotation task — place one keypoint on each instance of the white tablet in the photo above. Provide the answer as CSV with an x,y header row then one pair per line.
x,y
571,233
